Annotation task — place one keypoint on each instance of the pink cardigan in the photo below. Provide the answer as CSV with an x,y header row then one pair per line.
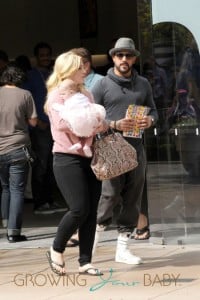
x,y
60,130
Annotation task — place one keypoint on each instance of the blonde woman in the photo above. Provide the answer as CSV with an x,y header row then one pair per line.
x,y
73,174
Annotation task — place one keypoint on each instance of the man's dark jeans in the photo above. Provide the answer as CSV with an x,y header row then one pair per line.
x,y
13,176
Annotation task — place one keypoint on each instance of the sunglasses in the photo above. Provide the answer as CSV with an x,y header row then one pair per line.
x,y
121,55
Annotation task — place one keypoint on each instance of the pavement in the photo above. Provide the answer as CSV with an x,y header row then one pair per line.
x,y
168,272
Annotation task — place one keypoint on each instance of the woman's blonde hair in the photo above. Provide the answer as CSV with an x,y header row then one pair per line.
x,y
65,65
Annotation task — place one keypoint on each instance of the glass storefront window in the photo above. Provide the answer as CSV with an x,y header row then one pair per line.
x,y
173,146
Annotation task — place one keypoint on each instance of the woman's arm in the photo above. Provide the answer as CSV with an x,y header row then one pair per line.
x,y
54,116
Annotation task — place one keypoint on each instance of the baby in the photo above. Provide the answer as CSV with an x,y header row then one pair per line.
x,y
83,116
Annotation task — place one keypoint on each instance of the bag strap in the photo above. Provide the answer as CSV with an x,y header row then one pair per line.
x,y
101,135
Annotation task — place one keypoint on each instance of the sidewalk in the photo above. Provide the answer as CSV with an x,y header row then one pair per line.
x,y
168,272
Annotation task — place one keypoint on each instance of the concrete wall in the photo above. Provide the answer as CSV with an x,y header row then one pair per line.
x,y
23,23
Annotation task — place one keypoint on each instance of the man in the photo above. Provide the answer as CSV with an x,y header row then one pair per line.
x,y
43,181
121,87
91,76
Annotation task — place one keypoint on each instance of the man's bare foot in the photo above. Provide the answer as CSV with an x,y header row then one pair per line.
x,y
73,241
142,234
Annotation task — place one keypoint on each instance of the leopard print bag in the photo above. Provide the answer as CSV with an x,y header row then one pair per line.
x,y
112,156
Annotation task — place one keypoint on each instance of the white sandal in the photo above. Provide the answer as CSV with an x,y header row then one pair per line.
x,y
88,269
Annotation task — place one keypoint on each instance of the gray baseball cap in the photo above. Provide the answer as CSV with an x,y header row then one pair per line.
x,y
124,43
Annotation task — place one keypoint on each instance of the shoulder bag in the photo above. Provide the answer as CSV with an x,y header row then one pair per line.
x,y
112,155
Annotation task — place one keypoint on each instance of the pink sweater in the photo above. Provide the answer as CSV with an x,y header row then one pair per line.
x,y
61,132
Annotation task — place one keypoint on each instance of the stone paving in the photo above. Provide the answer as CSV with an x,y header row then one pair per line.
x,y
168,272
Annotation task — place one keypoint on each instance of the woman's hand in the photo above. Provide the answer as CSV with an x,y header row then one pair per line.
x,y
104,126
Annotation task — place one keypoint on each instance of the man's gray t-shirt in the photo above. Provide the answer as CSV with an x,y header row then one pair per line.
x,y
16,107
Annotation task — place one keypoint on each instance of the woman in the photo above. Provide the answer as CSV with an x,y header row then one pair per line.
x,y
73,173
17,111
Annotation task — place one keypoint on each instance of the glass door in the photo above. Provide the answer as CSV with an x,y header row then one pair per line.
x,y
173,145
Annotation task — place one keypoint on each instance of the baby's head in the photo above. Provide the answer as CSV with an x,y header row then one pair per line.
x,y
68,88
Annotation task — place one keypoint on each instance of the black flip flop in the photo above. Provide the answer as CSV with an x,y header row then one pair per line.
x,y
51,263
143,231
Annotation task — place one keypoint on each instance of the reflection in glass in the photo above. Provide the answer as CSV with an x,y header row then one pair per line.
x,y
173,153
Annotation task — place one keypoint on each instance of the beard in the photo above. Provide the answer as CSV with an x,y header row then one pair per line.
x,y
124,68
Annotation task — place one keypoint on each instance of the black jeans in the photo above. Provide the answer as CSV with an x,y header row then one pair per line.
x,y
81,190
126,190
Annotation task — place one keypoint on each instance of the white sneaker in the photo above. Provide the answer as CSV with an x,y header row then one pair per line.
x,y
99,229
127,257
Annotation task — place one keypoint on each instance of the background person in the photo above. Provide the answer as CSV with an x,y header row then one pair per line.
x,y
91,76
43,181
90,79
142,231
17,110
